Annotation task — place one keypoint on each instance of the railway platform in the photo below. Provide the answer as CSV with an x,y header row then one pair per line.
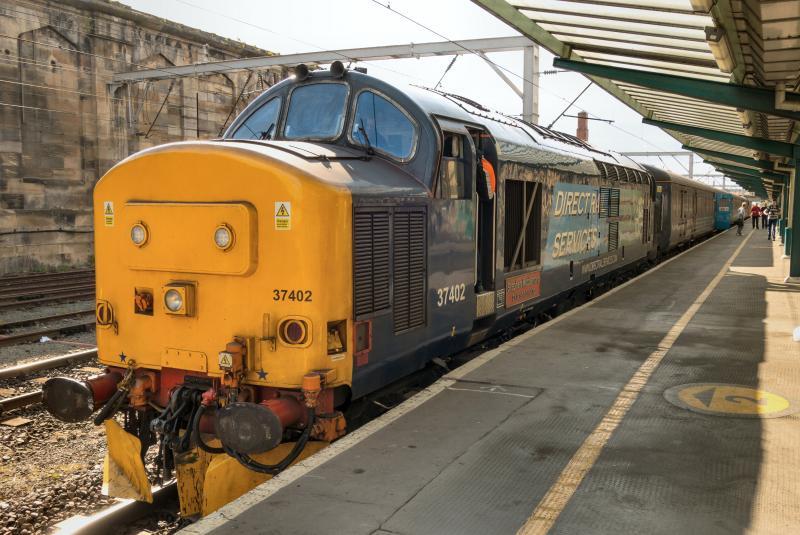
x,y
664,406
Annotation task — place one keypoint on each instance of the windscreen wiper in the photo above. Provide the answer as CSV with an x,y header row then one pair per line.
x,y
267,134
363,132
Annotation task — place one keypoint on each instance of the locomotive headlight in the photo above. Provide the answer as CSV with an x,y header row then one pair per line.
x,y
223,237
179,298
173,300
139,234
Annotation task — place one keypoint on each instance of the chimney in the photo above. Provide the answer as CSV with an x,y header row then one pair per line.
x,y
583,126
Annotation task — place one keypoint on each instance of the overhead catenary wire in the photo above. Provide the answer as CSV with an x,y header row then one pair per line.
x,y
572,102
161,69
306,43
87,72
79,31
166,69
413,21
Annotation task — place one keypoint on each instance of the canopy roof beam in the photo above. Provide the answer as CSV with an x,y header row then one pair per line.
x,y
734,95
744,160
745,171
778,148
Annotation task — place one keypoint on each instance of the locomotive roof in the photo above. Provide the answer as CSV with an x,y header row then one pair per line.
x,y
662,175
435,104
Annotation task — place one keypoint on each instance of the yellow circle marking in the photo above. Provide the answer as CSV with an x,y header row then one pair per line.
x,y
732,399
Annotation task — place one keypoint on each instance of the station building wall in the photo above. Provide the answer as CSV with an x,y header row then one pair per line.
x,y
63,123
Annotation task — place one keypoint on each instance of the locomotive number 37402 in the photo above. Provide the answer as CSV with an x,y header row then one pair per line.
x,y
450,294
291,295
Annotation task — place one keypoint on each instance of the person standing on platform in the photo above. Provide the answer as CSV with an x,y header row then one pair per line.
x,y
773,215
763,215
740,218
755,214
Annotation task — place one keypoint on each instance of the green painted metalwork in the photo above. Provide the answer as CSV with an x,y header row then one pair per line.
x,y
744,160
755,173
749,172
527,27
794,224
783,222
778,148
738,96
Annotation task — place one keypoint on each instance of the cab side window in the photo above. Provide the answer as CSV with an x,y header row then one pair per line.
x,y
380,124
262,123
454,172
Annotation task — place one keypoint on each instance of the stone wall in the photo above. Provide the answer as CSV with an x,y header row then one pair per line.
x,y
63,123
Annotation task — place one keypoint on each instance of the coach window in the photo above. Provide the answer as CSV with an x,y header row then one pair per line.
x,y
380,124
454,176
316,111
261,123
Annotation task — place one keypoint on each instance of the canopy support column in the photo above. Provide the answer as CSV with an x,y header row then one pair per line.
x,y
792,193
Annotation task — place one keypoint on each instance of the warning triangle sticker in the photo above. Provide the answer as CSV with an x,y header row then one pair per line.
x,y
282,211
109,210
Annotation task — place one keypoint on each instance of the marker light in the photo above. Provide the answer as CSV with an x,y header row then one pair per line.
x,y
294,331
173,300
223,237
139,234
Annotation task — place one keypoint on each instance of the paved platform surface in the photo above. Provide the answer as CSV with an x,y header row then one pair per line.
x,y
566,429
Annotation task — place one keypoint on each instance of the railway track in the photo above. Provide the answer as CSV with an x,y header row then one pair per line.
x,y
33,321
136,517
47,364
32,336
32,398
31,278
52,298
42,288
125,513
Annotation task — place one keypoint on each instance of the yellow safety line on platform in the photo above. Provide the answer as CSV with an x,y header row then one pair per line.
x,y
558,496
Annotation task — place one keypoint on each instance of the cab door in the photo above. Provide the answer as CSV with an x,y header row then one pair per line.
x,y
486,223
452,256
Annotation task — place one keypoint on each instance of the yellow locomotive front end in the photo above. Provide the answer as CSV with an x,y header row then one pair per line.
x,y
224,318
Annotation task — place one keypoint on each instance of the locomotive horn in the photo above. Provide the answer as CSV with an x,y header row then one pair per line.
x,y
71,400
338,69
301,72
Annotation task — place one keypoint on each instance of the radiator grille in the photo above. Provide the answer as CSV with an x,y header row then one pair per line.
x,y
609,202
613,204
371,261
605,195
409,269
613,236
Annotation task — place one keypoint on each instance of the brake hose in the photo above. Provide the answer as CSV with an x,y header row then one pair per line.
x,y
110,408
195,430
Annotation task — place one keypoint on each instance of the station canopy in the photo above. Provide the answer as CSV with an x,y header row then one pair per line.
x,y
720,76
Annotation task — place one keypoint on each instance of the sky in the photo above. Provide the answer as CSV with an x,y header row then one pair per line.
x,y
291,26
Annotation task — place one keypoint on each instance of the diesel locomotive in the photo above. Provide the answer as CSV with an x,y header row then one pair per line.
x,y
341,234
